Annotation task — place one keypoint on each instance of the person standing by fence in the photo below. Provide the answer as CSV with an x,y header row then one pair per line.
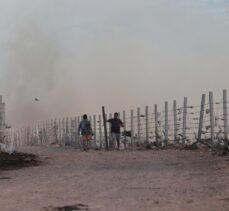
x,y
86,132
116,124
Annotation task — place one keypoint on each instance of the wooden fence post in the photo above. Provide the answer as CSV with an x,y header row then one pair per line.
x,y
51,130
175,120
63,131
59,131
55,127
201,120
78,122
48,131
225,117
147,123
185,108
72,128
100,132
105,128
212,118
94,130
132,126
124,122
156,123
2,120
109,132
42,133
166,123
75,129
67,125
139,124
90,120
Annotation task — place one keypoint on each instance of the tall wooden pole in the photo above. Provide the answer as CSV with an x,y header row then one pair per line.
x,y
201,120
124,122
225,117
100,132
212,118
185,107
132,126
105,128
156,123
175,120
147,123
94,128
166,123
139,124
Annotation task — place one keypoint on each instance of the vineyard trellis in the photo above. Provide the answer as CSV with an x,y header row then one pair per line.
x,y
182,125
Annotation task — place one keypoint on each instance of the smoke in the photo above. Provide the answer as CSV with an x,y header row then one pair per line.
x,y
75,56
33,69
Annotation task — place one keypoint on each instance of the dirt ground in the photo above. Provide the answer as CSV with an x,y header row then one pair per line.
x,y
117,181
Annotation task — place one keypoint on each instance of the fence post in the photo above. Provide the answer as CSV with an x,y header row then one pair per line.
x,y
225,118
67,125
43,133
147,123
138,124
78,121
21,137
105,127
55,127
51,124
94,130
184,120
175,120
48,131
1,118
166,123
132,126
2,121
90,120
212,116
59,131
75,128
124,122
111,142
201,120
156,123
100,132
64,131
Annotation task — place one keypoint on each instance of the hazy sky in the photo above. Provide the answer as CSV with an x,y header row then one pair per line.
x,y
77,55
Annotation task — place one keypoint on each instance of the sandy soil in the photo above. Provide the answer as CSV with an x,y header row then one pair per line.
x,y
118,181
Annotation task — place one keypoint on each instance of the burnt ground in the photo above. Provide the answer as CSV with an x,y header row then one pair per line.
x,y
143,180
17,160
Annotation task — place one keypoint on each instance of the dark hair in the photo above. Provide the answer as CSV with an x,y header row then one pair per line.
x,y
116,114
85,116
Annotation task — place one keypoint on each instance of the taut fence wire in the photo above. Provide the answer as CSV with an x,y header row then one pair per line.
x,y
171,124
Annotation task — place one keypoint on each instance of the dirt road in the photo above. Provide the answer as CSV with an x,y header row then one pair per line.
x,y
117,181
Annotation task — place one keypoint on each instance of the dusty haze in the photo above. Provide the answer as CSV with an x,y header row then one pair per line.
x,y
77,55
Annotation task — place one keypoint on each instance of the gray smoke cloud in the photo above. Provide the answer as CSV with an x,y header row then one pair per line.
x,y
75,56
33,68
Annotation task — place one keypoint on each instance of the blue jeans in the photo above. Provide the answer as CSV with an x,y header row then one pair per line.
x,y
116,137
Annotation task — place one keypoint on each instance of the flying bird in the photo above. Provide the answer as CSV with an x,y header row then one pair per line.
x,y
36,99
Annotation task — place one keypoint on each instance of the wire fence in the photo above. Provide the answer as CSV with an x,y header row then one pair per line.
x,y
172,124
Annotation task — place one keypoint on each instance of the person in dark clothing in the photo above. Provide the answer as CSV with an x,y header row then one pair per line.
x,y
86,131
116,124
